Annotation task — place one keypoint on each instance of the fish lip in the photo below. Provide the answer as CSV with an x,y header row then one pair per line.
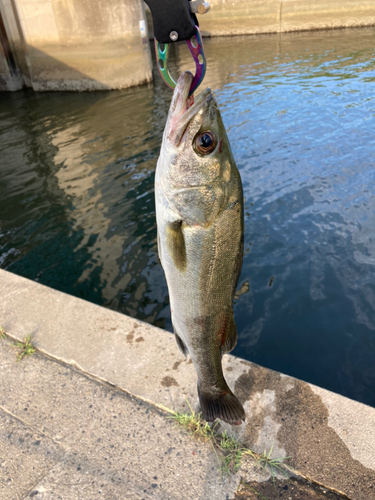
x,y
205,98
180,117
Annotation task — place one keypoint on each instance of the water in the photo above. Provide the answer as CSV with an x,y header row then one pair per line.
x,y
77,208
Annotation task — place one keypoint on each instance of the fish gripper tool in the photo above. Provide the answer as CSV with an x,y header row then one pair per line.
x,y
195,45
176,20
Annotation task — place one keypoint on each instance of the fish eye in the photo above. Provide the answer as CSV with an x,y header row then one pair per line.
x,y
205,142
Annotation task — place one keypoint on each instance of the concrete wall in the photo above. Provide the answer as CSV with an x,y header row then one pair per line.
x,y
239,17
273,16
81,44
15,38
10,75
9,79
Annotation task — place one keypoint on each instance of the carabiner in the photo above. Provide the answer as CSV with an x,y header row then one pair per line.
x,y
195,45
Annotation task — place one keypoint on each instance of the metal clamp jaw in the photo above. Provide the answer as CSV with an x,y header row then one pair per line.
x,y
175,20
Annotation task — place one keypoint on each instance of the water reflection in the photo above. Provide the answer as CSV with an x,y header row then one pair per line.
x,y
77,203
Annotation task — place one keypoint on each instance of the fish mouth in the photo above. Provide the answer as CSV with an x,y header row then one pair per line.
x,y
184,108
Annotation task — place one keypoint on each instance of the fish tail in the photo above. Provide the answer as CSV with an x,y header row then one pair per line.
x,y
223,405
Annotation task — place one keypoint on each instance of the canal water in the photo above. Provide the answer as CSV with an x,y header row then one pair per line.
x,y
77,200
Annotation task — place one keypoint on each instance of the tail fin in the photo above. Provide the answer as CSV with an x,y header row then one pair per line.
x,y
223,405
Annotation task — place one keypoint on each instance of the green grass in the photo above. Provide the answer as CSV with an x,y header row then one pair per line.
x,y
264,460
232,453
25,347
229,451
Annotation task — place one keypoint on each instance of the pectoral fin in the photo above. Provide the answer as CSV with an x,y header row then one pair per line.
x,y
175,243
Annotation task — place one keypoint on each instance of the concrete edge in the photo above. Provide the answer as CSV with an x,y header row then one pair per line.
x,y
144,361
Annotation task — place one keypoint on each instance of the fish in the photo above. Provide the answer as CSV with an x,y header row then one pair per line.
x,y
200,235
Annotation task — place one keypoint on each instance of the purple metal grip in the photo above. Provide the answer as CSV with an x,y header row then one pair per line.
x,y
196,51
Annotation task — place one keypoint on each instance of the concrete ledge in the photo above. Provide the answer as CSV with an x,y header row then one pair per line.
x,y
330,438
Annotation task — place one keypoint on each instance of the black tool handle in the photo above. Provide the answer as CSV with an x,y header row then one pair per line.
x,y
172,16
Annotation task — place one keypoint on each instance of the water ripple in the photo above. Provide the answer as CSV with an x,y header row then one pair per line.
x,y
77,204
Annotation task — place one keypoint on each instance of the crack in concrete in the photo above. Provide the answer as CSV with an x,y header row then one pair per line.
x,y
44,476
26,424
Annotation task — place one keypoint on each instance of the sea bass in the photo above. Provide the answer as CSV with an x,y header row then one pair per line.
x,y
199,213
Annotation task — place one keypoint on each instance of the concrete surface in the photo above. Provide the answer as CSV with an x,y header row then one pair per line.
x,y
69,437
297,15
64,435
240,17
330,438
79,45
